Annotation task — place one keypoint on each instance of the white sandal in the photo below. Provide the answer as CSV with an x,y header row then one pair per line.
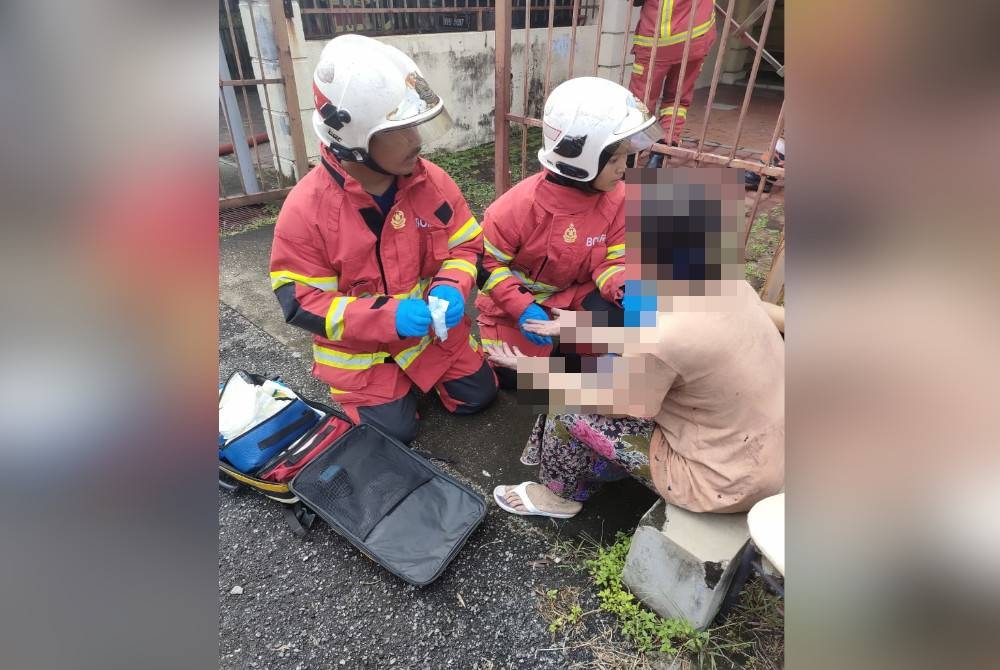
x,y
521,490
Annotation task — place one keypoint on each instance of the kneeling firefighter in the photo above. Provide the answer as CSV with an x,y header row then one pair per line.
x,y
368,235
557,239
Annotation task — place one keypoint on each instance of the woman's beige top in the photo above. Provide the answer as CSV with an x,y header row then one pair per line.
x,y
719,441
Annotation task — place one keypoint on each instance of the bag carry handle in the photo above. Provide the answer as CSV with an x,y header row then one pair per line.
x,y
232,486
299,518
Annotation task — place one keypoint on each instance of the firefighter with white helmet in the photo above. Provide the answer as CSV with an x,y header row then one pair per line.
x,y
557,239
374,232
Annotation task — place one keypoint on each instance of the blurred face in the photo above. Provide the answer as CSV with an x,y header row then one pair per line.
x,y
613,172
396,151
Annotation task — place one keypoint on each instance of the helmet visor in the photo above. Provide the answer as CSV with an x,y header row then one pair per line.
x,y
422,132
642,140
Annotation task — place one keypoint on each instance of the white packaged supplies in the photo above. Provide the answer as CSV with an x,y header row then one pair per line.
x,y
438,309
243,405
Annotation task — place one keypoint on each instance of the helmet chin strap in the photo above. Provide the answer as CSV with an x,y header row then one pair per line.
x,y
358,156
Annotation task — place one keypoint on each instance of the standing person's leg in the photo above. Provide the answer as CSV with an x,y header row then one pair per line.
x,y
642,70
666,110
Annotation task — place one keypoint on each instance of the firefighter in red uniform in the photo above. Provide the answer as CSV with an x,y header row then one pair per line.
x,y
367,236
557,239
666,22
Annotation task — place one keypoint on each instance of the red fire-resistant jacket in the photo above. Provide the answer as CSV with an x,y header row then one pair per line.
x,y
334,278
667,21
545,242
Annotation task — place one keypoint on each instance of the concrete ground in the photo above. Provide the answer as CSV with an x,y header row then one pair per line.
x,y
319,603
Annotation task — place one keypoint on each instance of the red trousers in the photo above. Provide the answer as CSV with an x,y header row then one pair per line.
x,y
666,74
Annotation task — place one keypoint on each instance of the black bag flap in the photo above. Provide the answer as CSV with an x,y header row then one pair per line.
x,y
393,505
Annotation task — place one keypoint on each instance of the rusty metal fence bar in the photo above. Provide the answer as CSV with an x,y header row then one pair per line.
x,y
701,153
261,178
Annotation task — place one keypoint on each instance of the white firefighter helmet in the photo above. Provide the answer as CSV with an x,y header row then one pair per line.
x,y
585,115
361,87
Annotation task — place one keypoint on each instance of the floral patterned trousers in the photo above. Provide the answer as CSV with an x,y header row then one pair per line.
x,y
578,452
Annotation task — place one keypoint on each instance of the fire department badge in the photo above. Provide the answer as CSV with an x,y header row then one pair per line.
x,y
398,220
570,234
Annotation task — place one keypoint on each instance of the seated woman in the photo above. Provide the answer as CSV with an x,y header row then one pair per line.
x,y
695,404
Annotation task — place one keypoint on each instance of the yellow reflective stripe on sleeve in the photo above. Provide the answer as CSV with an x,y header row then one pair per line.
x,y
473,342
494,252
346,361
337,391
615,251
469,231
281,277
491,343
602,279
682,112
532,284
542,297
638,68
335,318
496,277
460,264
406,357
416,292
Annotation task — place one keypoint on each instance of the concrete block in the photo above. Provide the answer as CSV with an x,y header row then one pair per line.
x,y
681,563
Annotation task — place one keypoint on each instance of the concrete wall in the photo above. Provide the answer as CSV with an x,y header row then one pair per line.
x,y
458,66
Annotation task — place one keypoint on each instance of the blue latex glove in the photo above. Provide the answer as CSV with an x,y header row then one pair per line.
x,y
413,318
639,303
456,304
533,311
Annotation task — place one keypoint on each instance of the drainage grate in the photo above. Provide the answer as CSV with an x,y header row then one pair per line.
x,y
235,220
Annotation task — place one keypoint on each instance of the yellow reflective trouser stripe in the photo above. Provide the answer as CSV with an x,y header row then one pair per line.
x,y
665,36
469,231
602,279
407,356
496,277
459,264
335,318
681,111
281,277
346,361
337,391
494,252
615,251
638,68
532,284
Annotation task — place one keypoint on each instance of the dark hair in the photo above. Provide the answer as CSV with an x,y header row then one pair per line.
x,y
683,243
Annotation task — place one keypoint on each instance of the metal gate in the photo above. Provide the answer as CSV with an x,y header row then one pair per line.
x,y
692,151
256,79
